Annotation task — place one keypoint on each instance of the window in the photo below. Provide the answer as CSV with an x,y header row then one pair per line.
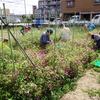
x,y
96,17
74,17
70,3
96,1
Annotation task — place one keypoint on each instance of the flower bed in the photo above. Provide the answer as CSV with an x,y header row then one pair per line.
x,y
55,72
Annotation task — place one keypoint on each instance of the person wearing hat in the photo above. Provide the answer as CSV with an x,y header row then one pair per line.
x,y
96,38
25,29
5,45
91,27
65,34
45,38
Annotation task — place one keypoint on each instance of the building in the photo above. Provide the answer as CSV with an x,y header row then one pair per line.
x,y
13,18
34,8
10,17
85,8
48,9
7,11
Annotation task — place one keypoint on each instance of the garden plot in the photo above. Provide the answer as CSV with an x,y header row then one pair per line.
x,y
55,72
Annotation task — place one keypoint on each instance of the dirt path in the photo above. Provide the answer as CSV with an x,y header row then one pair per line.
x,y
88,81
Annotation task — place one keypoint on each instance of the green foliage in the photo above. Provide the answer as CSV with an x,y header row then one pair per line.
x,y
93,92
23,16
56,71
32,16
96,69
99,79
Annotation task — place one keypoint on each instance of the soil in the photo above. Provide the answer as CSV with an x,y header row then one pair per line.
x,y
88,81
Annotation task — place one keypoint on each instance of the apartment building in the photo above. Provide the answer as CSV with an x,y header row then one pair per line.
x,y
48,9
34,8
85,8
7,11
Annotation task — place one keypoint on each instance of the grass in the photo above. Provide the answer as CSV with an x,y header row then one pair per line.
x,y
93,92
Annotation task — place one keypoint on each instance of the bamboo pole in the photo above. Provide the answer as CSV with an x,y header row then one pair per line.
x,y
12,55
73,33
2,41
55,30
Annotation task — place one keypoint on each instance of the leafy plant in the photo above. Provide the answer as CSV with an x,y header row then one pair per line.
x,y
56,69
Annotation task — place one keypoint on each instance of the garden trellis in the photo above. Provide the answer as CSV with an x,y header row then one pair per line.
x,y
10,33
12,55
2,43
51,76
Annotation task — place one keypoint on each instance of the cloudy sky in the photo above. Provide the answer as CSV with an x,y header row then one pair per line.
x,y
19,6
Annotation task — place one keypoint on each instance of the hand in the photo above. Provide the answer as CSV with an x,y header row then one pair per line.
x,y
51,42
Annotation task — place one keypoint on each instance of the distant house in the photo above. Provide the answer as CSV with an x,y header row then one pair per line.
x,y
12,18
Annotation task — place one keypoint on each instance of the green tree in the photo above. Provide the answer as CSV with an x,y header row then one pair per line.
x,y
23,16
32,16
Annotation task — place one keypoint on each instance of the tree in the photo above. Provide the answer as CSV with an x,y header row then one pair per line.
x,y
23,16
32,16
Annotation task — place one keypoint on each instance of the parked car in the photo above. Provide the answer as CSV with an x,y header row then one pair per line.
x,y
96,20
17,21
76,20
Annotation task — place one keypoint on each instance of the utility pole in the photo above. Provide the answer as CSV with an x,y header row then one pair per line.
x,y
60,10
25,9
25,6
44,10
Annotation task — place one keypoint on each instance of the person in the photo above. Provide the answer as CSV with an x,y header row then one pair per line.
x,y
91,27
5,44
96,38
25,29
65,34
86,25
45,38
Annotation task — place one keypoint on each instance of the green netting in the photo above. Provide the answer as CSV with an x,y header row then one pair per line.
x,y
58,46
97,63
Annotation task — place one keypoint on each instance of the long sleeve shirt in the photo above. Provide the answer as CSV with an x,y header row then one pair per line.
x,y
65,34
96,37
45,38
4,46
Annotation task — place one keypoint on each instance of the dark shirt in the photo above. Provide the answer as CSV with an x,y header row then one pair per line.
x,y
26,27
45,38
96,37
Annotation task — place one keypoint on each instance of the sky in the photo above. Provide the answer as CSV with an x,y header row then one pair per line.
x,y
19,6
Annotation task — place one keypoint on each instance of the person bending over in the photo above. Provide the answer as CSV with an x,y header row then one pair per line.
x,y
5,44
96,38
25,29
45,38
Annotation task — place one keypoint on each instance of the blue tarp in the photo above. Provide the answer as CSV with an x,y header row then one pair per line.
x,y
39,22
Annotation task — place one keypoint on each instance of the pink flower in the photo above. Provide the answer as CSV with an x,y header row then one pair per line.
x,y
16,84
16,76
63,67
16,92
6,73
